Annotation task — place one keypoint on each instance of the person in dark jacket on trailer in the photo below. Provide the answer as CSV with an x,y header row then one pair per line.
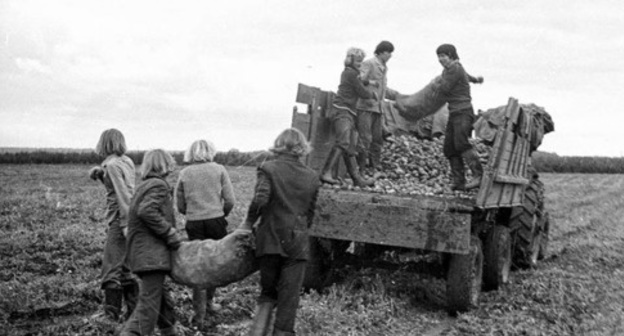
x,y
152,236
455,88
284,200
344,116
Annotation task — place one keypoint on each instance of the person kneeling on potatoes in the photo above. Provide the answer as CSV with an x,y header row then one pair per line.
x,y
151,238
284,200
344,117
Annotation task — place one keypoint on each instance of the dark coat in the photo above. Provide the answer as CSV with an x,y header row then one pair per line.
x,y
285,205
151,217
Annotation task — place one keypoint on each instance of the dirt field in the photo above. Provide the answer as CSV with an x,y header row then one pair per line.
x,y
51,238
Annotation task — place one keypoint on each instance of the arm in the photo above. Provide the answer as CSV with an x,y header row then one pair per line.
x,y
180,198
392,94
227,193
358,85
262,194
472,79
122,192
311,209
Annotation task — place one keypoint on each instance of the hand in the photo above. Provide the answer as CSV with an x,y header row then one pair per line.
x,y
245,225
124,231
174,239
479,80
96,173
373,83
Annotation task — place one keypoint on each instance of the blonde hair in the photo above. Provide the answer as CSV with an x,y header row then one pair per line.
x,y
111,141
158,162
352,54
200,151
291,141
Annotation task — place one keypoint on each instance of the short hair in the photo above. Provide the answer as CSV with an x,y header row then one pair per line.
x,y
384,46
352,54
200,151
111,141
157,162
448,50
291,141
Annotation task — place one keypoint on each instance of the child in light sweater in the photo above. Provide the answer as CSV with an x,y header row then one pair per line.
x,y
204,194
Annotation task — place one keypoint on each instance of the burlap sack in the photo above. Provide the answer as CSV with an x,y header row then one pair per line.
x,y
214,263
422,103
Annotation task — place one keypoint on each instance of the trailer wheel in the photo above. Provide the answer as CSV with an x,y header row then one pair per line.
x,y
497,257
464,279
525,226
324,254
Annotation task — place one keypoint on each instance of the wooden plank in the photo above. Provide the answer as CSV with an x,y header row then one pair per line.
x,y
511,179
306,94
400,223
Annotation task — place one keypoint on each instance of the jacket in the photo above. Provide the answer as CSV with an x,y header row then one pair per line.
x,y
118,179
350,89
374,70
455,87
151,218
284,200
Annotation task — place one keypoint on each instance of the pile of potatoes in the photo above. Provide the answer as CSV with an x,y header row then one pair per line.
x,y
412,166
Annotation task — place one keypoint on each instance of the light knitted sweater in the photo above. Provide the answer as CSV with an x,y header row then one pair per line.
x,y
204,191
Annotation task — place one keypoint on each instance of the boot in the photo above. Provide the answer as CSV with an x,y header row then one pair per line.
x,y
171,331
472,160
211,307
199,307
130,295
457,173
362,162
112,302
262,319
277,332
353,171
332,160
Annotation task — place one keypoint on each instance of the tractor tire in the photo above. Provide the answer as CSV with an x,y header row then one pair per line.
x,y
497,258
525,222
464,279
543,249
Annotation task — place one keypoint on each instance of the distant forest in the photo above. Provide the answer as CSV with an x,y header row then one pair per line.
x,y
543,162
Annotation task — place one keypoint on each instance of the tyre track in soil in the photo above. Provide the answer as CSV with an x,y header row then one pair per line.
x,y
584,211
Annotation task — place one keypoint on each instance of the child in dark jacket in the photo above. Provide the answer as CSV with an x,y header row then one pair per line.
x,y
284,201
343,114
151,238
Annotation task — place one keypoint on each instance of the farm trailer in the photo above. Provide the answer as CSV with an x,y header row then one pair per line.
x,y
476,239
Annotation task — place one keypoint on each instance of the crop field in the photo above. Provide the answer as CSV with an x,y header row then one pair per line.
x,y
52,234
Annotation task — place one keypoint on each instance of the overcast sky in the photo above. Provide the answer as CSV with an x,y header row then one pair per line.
x,y
167,73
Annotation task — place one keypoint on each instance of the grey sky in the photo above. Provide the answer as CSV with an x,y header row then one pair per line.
x,y
167,73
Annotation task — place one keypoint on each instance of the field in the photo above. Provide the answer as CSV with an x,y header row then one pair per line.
x,y
52,235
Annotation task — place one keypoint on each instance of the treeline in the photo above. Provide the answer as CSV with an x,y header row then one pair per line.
x,y
232,157
553,163
543,162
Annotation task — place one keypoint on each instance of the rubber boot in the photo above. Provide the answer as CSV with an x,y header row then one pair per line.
x,y
277,332
362,162
353,171
472,160
211,307
199,307
130,295
112,302
457,173
332,160
262,319
171,331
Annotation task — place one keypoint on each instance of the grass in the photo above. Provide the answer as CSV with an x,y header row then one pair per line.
x,y
52,234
